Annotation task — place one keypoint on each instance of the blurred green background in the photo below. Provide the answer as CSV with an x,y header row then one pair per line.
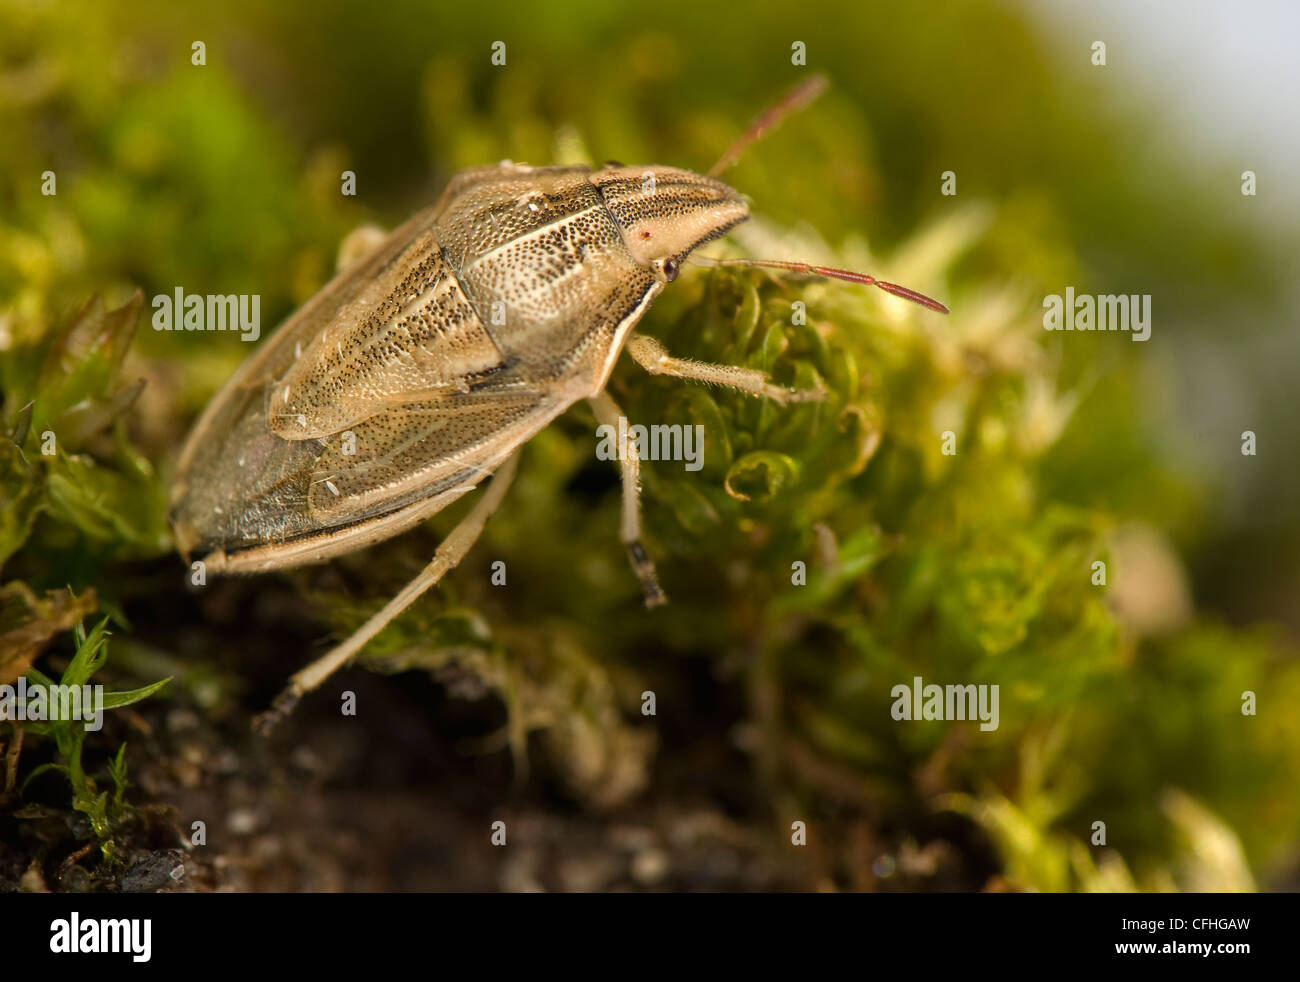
x,y
1119,704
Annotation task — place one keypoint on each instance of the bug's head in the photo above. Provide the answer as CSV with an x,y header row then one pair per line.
x,y
665,212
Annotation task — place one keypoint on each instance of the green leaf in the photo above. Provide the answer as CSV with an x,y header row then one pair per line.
x,y
688,504
118,507
22,492
41,769
39,678
90,656
117,771
760,475
699,408
116,700
84,358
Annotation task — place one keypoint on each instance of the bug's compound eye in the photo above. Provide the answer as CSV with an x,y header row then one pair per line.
x,y
671,268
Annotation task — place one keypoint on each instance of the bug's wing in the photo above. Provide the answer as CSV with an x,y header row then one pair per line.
x,y
381,400
253,500
242,489
410,335
409,332
410,451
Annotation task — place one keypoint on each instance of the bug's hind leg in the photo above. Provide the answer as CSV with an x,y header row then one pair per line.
x,y
450,552
357,244
608,413
655,359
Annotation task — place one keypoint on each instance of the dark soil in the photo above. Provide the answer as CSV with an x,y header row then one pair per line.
x,y
399,798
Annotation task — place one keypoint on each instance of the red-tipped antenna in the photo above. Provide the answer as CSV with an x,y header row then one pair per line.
x,y
832,273
794,100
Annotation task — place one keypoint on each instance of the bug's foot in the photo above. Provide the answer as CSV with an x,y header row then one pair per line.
x,y
284,704
816,394
644,568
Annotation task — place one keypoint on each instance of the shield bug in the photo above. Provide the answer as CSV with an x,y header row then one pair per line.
x,y
424,366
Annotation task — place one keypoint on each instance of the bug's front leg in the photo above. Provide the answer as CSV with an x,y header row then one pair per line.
x,y
608,414
655,359
450,552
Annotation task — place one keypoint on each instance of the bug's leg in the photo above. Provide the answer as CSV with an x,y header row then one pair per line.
x,y
451,551
608,413
655,359
357,244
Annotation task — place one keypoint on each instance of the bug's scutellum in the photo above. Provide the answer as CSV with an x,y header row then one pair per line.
x,y
424,366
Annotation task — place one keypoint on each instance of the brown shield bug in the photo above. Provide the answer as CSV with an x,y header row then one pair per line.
x,y
423,367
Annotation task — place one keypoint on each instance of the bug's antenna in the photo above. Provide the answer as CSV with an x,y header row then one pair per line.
x,y
829,271
794,100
